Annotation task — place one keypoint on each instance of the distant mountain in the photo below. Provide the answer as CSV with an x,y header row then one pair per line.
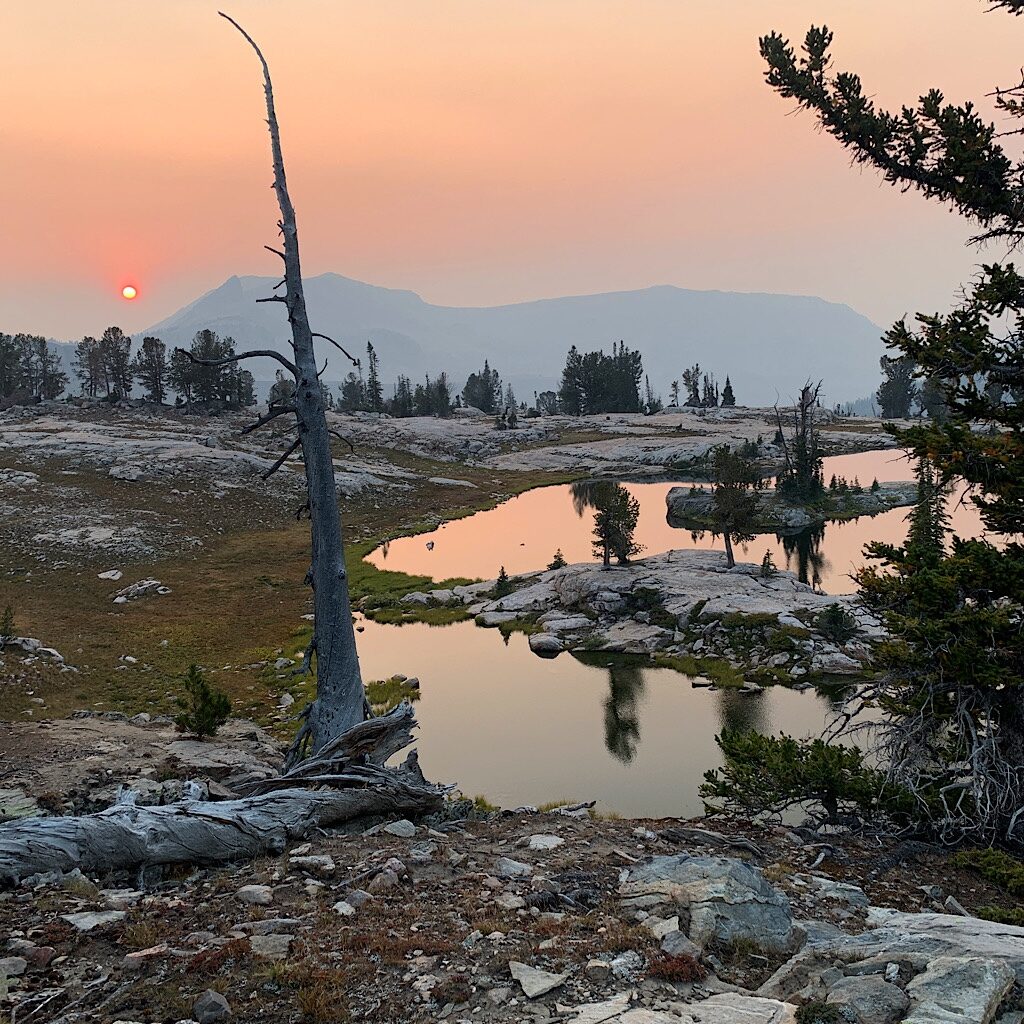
x,y
767,344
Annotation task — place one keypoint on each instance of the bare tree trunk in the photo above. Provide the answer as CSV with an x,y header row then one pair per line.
x,y
730,558
340,700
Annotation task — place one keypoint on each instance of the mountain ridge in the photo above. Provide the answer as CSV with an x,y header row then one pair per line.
x,y
767,343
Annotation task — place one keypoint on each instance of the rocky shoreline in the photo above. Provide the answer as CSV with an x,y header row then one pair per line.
x,y
679,603
692,507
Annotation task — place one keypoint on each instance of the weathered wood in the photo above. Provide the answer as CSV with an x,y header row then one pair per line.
x,y
340,700
347,781
126,837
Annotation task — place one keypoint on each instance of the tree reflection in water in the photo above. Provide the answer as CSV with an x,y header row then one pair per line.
x,y
741,712
589,493
806,549
621,711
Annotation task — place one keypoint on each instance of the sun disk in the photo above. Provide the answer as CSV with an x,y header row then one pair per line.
x,y
128,291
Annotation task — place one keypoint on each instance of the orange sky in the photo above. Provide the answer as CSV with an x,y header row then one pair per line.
x,y
475,151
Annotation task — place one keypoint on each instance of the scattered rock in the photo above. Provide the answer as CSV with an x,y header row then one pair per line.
x,y
271,947
404,829
534,981
545,842
505,867
256,895
87,920
210,1007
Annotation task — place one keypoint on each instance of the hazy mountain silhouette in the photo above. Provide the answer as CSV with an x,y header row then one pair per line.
x,y
767,344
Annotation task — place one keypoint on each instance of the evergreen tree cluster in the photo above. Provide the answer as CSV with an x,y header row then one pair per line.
x,y
230,384
700,390
593,382
366,394
27,365
483,390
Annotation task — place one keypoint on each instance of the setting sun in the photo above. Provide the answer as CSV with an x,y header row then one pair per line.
x,y
128,291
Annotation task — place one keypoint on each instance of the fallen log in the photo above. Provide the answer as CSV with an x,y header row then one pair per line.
x,y
346,782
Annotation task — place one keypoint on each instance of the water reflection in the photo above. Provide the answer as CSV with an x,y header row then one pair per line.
x,y
523,533
741,711
526,730
588,494
622,711
805,555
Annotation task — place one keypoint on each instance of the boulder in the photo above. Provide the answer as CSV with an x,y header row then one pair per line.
x,y
722,899
869,1000
546,644
969,988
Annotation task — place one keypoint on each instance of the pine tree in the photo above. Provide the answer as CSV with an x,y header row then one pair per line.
x,y
401,401
728,398
150,369
374,391
180,375
203,709
952,678
735,502
570,391
88,366
615,523
116,362
691,384
898,389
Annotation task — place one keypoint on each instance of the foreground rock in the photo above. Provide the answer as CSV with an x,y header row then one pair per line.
x,y
718,900
513,918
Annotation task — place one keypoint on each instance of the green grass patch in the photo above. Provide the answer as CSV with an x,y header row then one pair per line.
x,y
720,672
996,867
386,694
1002,915
432,615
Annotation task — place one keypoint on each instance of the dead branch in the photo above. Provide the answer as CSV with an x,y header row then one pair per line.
x,y
261,353
272,414
282,460
317,334
346,781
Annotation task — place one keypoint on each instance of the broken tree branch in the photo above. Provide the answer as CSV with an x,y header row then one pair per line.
x,y
260,353
282,460
267,417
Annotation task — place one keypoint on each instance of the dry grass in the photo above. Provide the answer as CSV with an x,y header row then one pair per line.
x,y
215,961
677,968
140,935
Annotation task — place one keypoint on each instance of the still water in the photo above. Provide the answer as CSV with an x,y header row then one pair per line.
x,y
499,721
523,533
519,729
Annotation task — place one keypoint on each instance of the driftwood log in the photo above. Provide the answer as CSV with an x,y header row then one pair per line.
x,y
348,780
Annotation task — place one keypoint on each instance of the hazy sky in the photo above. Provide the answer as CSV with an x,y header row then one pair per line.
x,y
475,151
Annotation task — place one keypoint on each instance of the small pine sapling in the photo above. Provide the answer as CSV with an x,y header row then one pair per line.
x,y
203,709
